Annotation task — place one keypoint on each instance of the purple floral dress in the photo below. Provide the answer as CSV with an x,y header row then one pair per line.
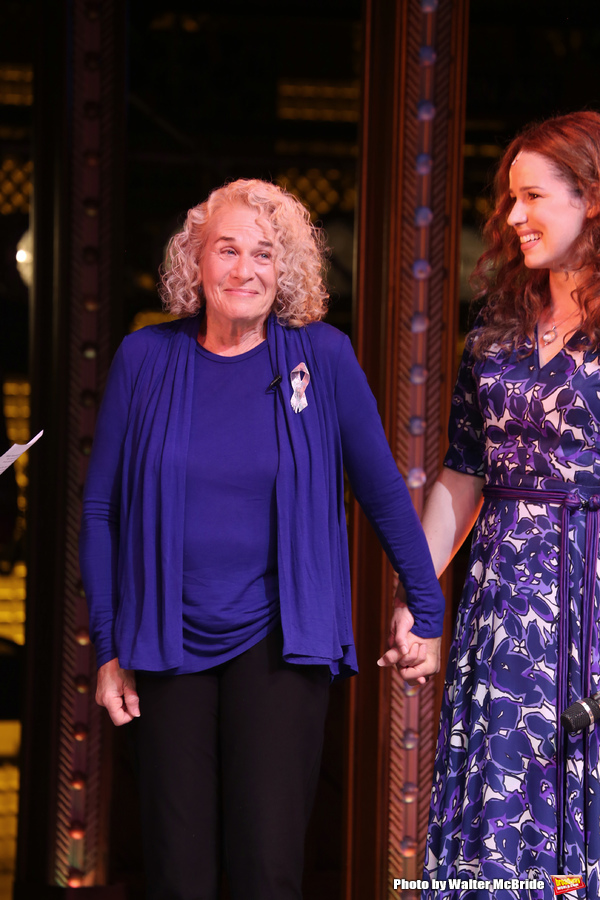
x,y
494,802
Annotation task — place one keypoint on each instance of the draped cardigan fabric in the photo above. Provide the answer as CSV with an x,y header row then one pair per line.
x,y
134,509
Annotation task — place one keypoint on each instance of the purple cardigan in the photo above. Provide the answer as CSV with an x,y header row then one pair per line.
x,y
131,547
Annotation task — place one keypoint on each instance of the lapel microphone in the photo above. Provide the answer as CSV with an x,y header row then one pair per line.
x,y
277,380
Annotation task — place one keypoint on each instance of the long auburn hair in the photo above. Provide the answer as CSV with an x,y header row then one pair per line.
x,y
516,296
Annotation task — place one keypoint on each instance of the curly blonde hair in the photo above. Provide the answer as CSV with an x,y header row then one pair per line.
x,y
515,296
299,253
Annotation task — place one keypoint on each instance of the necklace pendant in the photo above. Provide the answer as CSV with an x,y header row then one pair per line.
x,y
549,336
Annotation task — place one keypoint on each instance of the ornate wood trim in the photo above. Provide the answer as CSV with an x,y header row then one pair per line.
x,y
78,157
406,310
79,108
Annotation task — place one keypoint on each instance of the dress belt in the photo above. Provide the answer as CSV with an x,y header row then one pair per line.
x,y
570,499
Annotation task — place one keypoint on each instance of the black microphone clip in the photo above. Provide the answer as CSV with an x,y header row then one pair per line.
x,y
277,380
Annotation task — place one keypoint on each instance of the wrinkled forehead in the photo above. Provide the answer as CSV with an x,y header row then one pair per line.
x,y
232,217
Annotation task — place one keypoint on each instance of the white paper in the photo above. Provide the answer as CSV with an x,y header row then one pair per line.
x,y
8,458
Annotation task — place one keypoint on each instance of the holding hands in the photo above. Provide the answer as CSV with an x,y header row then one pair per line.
x,y
414,657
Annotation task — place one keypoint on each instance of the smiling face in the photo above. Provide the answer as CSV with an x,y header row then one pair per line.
x,y
546,214
237,270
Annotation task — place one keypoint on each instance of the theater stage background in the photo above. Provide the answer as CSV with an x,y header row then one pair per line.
x,y
385,117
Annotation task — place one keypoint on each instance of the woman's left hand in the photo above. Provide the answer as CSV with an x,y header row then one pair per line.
x,y
414,657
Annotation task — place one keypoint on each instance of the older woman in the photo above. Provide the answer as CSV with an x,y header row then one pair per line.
x,y
214,549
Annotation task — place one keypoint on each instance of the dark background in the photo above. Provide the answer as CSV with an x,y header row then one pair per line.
x,y
272,90
206,87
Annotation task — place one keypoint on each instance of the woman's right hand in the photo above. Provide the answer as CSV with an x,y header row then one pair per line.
x,y
116,691
415,658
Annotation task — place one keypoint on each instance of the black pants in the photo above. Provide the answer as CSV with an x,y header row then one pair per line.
x,y
229,762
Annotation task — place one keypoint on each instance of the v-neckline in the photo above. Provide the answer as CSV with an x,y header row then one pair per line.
x,y
564,347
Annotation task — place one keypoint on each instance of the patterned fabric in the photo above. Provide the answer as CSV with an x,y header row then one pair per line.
x,y
494,812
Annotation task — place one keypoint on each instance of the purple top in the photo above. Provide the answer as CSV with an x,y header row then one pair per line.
x,y
230,587
132,537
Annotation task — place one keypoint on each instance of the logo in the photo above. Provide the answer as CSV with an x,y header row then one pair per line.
x,y
565,883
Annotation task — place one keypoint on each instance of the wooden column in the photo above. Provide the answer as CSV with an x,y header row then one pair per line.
x,y
78,161
405,322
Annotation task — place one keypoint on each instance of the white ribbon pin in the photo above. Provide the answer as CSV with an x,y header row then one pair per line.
x,y
300,379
